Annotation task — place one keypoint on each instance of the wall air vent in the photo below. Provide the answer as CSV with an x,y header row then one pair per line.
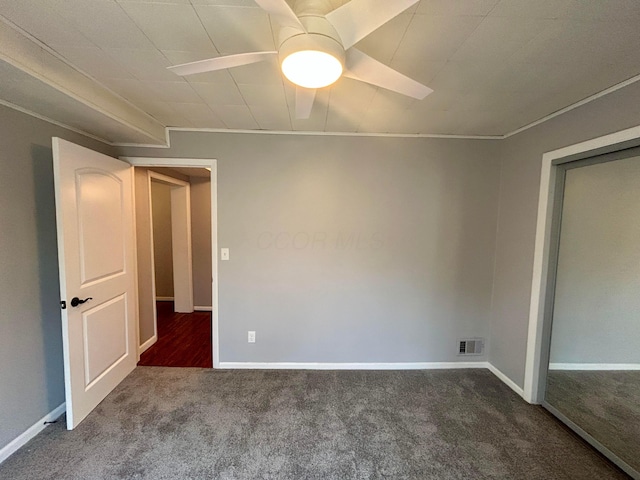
x,y
471,346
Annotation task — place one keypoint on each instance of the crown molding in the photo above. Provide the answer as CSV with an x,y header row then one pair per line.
x,y
573,106
338,134
540,121
53,122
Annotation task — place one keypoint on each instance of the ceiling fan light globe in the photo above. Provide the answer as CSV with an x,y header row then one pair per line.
x,y
312,68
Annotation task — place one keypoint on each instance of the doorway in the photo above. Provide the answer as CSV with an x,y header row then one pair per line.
x,y
174,243
184,339
171,243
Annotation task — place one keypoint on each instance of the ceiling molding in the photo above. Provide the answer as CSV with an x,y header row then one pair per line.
x,y
168,130
30,56
53,122
44,118
337,134
573,106
540,121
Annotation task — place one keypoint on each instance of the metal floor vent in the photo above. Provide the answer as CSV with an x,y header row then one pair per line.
x,y
471,346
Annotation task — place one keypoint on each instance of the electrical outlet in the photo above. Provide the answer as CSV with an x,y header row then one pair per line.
x,y
251,338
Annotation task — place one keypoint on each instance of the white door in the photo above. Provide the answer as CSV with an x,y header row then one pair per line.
x,y
94,210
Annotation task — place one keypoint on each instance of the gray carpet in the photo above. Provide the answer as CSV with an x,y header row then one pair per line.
x,y
164,423
606,404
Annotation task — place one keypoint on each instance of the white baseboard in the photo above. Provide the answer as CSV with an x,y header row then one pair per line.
x,y
164,299
594,366
351,366
506,380
202,309
35,429
147,344
374,366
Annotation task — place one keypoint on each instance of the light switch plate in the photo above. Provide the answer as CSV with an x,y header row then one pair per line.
x,y
224,254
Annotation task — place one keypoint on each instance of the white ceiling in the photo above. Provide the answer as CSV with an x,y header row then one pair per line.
x,y
494,65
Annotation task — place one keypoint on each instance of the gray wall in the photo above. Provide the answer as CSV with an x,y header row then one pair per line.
x,y
201,240
31,377
519,188
596,315
162,243
350,249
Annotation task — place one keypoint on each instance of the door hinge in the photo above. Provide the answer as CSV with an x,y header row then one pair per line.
x,y
63,305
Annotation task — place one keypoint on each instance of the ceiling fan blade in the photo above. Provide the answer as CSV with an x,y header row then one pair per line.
x,y
304,101
358,18
221,63
360,66
282,12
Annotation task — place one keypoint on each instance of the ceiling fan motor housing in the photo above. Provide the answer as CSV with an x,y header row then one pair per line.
x,y
320,37
314,59
312,7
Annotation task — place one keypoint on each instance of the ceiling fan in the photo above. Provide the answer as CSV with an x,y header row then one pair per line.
x,y
316,48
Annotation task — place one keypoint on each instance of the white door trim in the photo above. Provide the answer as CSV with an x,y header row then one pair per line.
x,y
181,240
152,263
211,164
585,149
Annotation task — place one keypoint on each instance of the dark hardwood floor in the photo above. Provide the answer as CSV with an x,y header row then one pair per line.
x,y
184,339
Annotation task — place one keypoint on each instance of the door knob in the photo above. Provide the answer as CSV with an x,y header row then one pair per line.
x,y
75,301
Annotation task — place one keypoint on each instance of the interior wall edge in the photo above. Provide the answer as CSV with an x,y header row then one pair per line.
x,y
146,345
506,380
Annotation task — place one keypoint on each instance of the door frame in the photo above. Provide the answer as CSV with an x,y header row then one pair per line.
x,y
561,169
211,164
181,254
539,330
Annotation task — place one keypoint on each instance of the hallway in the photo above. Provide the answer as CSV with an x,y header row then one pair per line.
x,y
184,339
